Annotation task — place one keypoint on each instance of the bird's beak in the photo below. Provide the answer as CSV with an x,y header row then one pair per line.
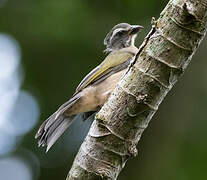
x,y
135,29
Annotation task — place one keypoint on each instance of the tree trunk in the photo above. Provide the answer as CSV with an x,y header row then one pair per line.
x,y
162,59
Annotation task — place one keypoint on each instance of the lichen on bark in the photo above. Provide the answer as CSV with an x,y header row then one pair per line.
x,y
118,126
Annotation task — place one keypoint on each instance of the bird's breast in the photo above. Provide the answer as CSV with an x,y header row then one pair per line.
x,y
104,89
93,97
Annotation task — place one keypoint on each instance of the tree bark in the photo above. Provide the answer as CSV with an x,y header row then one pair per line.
x,y
162,59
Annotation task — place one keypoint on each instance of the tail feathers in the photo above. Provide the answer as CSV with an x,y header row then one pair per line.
x,y
52,129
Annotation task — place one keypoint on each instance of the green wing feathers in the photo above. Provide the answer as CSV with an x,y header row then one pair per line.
x,y
112,60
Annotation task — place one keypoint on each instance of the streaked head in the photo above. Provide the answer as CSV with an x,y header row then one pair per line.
x,y
122,35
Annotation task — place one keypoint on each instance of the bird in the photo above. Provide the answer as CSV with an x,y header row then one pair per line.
x,y
95,89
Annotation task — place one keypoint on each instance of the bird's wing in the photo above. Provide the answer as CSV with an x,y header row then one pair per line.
x,y
110,65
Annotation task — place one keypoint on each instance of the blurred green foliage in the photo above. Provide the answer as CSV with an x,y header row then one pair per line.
x,y
61,41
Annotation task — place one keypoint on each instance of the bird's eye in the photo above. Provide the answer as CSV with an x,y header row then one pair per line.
x,y
120,33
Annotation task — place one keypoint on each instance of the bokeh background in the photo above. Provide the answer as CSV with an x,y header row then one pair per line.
x,y
46,48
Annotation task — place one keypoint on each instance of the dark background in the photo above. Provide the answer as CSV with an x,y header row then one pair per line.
x,y
46,48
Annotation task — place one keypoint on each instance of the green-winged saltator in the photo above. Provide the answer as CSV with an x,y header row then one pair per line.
x,y
95,88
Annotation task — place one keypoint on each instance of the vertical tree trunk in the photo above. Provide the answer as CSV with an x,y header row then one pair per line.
x,y
162,59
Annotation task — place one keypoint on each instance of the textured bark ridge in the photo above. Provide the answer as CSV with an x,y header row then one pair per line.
x,y
163,58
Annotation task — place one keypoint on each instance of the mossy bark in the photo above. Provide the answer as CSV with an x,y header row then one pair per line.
x,y
118,126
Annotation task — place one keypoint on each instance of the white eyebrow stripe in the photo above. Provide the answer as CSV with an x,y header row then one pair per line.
x,y
116,31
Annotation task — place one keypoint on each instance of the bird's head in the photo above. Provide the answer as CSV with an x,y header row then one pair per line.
x,y
121,36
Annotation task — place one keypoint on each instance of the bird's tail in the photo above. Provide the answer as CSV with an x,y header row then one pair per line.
x,y
52,128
